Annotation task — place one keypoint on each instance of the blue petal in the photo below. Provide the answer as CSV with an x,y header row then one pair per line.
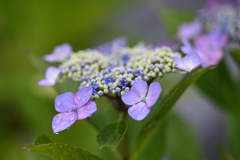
x,y
63,121
130,98
139,111
83,95
64,102
154,91
139,86
87,110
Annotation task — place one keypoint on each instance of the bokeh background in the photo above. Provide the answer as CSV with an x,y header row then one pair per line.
x,y
37,26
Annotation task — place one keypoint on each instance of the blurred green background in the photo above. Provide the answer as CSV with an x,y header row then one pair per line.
x,y
36,27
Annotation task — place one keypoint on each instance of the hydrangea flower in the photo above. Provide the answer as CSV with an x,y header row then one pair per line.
x,y
51,77
210,47
60,53
189,30
141,103
72,107
189,62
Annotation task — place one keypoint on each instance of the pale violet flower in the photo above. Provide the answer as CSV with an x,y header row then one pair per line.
x,y
209,48
189,30
72,107
60,53
140,102
189,62
51,77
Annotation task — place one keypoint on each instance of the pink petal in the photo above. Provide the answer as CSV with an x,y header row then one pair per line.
x,y
154,91
130,98
139,86
87,110
83,95
46,82
139,111
63,121
64,102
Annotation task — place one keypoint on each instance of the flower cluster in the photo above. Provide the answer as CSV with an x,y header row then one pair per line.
x,y
217,25
114,70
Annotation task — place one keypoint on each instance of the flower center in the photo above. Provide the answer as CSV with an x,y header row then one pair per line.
x,y
143,99
74,108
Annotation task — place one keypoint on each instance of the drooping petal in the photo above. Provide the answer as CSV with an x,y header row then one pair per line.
x,y
86,110
139,86
154,91
139,111
130,98
83,95
63,121
52,73
64,102
46,82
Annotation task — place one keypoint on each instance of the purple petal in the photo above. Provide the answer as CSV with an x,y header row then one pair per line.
x,y
139,86
192,61
209,48
63,121
189,30
187,48
130,98
83,95
189,62
60,53
52,73
46,82
139,111
154,91
87,110
119,42
64,102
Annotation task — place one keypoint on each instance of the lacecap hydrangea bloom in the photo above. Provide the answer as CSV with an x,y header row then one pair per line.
x,y
116,71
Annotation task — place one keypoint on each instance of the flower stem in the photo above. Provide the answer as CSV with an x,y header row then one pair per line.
x,y
125,143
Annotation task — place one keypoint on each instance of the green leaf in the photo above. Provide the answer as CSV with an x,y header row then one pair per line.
x,y
179,135
112,134
152,126
218,85
236,55
224,153
41,139
63,151
233,130
172,18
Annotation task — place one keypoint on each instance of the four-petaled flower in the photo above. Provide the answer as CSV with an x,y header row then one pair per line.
x,y
72,107
60,53
141,104
51,77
